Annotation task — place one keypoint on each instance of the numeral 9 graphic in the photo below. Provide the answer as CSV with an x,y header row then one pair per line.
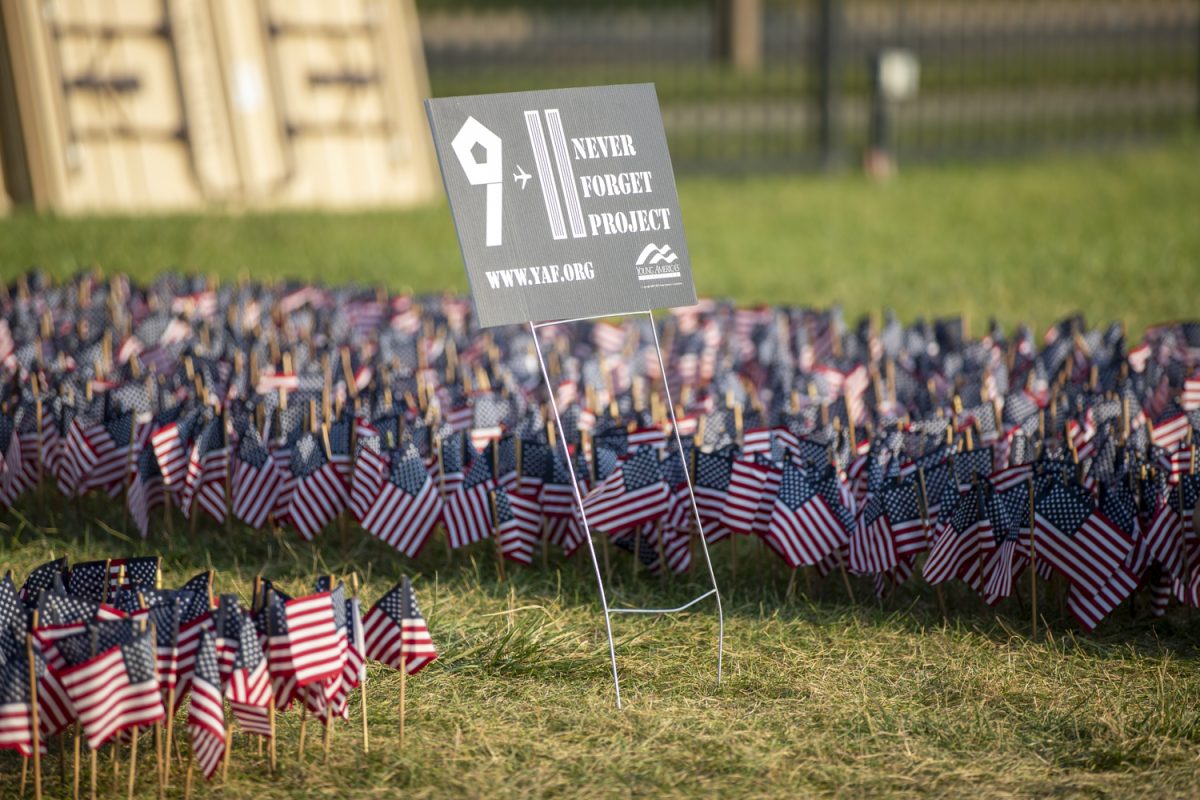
x,y
489,172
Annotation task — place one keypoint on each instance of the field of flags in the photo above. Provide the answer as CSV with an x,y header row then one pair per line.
x,y
876,449
98,651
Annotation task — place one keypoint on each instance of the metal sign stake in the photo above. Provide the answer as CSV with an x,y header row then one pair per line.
x,y
608,612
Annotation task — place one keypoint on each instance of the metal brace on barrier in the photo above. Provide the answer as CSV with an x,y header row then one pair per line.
x,y
608,612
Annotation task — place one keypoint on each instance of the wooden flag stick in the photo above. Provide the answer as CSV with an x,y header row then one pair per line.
x,y
271,722
362,682
187,780
1032,565
133,748
75,775
228,755
303,728
329,717
403,681
170,734
95,765
496,535
24,775
35,728
160,767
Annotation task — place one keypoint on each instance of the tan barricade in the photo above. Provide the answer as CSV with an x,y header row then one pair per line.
x,y
159,105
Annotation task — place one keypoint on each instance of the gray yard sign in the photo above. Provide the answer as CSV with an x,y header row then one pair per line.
x,y
564,202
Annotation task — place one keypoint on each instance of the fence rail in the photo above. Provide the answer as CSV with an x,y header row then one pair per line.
x,y
776,84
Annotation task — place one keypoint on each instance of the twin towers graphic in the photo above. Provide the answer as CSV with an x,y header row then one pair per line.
x,y
480,153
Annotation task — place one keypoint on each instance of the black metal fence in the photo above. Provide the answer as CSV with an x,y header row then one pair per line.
x,y
777,84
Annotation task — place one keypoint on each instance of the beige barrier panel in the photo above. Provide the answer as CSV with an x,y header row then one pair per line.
x,y
347,80
160,105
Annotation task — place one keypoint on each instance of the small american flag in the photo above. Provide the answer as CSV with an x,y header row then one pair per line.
x,y
319,494
206,716
256,480
89,580
303,642
407,507
468,514
395,631
518,522
208,465
803,529
366,481
903,513
116,690
170,443
1077,540
249,683
960,542
146,492
710,485
633,494
16,704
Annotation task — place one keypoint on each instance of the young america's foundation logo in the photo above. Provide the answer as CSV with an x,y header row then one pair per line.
x,y
657,263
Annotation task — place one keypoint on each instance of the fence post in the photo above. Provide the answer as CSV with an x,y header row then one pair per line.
x,y
829,81
740,34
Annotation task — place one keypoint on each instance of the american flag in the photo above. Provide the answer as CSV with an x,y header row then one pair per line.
x,y
395,632
16,704
354,672
206,715
13,480
256,480
1166,536
249,683
96,454
902,510
468,514
536,465
803,529
195,617
90,580
711,478
633,494
165,608
207,472
340,454
962,537
1090,609
557,496
518,522
747,484
872,549
407,506
1189,398
370,467
303,642
319,494
451,469
1077,540
140,572
60,608
171,443
146,492
116,690
1170,431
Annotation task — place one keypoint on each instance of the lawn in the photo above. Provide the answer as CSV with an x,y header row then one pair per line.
x,y
822,694
1112,234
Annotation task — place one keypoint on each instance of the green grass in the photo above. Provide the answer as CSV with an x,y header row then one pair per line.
x,y
1112,234
822,696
